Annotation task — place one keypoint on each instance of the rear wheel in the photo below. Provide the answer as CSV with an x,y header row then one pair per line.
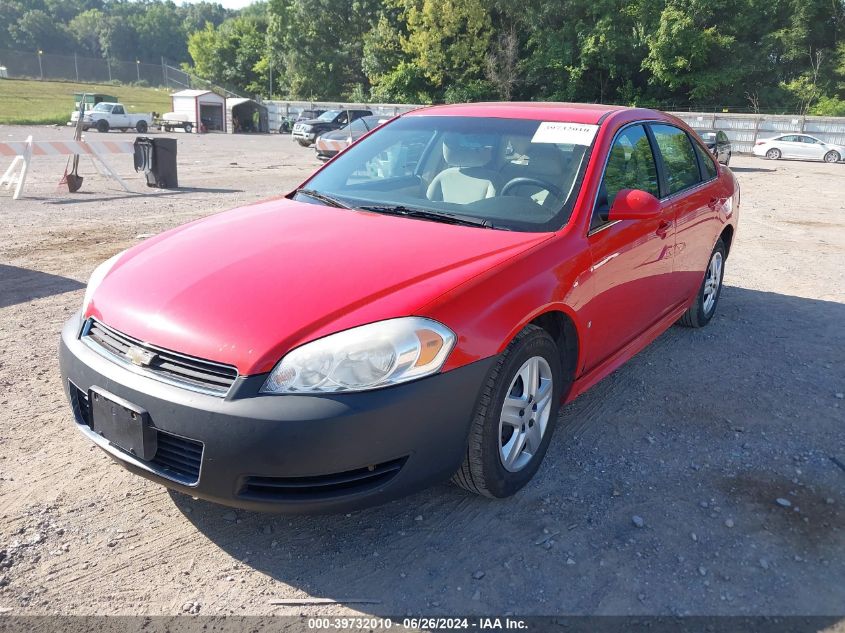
x,y
773,154
189,128
102,125
141,127
704,306
514,418
167,128
832,157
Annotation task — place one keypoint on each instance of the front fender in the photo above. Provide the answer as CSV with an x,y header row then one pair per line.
x,y
488,311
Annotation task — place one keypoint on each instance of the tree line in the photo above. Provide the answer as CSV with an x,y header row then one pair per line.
x,y
760,55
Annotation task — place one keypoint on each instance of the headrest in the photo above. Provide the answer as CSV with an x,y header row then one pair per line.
x,y
457,154
520,144
544,159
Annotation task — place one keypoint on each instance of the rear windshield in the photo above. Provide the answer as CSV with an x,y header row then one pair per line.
x,y
516,174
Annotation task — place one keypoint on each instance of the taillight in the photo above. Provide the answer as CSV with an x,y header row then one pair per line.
x,y
759,142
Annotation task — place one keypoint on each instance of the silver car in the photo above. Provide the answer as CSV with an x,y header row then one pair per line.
x,y
801,146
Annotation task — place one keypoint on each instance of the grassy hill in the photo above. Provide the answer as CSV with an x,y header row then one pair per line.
x,y
32,102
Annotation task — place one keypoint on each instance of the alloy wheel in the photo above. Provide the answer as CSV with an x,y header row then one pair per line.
x,y
525,414
773,154
712,282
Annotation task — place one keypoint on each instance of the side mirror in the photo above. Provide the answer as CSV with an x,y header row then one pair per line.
x,y
633,204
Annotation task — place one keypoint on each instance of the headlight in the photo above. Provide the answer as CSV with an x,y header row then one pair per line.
x,y
96,279
305,128
363,358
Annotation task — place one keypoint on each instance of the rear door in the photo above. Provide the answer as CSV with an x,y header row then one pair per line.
x,y
687,178
790,146
631,272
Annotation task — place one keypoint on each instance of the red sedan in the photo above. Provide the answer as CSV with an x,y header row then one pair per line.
x,y
417,310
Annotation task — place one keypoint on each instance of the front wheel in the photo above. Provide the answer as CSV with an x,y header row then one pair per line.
x,y
189,128
102,125
704,306
832,157
514,418
773,154
303,143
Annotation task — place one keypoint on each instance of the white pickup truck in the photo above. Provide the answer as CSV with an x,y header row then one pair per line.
x,y
113,116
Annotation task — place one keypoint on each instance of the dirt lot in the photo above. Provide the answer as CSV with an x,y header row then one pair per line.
x,y
699,435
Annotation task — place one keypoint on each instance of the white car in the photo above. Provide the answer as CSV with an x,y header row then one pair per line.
x,y
113,116
801,146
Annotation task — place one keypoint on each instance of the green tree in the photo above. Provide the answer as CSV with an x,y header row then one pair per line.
x,y
447,39
86,29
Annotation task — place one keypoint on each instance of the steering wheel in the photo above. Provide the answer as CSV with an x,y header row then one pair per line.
x,y
554,190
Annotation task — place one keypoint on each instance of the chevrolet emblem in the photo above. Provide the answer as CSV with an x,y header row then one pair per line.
x,y
140,357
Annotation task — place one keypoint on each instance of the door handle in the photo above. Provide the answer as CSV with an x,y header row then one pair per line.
x,y
663,228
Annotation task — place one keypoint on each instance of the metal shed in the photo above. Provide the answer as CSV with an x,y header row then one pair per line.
x,y
201,106
246,116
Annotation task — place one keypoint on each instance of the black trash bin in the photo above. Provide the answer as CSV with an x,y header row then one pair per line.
x,y
165,175
156,157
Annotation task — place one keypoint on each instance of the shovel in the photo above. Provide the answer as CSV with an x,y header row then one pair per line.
x,y
73,179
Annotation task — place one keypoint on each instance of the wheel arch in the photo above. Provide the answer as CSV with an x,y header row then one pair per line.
x,y
561,327
727,236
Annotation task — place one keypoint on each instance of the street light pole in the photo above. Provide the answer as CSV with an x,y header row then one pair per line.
x,y
40,69
138,69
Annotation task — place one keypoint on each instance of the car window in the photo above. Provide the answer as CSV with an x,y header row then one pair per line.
x,y
358,125
118,110
329,115
808,139
706,160
102,107
630,165
679,161
515,174
788,139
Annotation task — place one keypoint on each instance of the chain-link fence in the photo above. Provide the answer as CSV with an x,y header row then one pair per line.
x,y
29,65
47,66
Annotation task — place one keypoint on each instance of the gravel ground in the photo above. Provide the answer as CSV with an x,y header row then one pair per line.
x,y
706,476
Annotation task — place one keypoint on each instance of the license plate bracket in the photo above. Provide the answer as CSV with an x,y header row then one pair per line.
x,y
122,423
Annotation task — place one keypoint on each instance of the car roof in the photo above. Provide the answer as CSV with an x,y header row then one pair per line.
x,y
586,113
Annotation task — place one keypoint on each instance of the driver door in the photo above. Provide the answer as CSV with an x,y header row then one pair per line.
x,y
631,273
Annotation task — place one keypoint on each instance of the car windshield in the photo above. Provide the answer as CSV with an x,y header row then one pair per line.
x,y
102,107
512,174
328,116
707,137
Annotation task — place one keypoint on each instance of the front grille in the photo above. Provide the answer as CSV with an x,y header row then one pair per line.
x,y
185,371
177,458
320,486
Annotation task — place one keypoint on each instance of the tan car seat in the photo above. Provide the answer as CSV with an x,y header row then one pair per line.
x,y
466,179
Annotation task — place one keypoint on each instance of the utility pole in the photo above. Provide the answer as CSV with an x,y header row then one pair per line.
x,y
76,66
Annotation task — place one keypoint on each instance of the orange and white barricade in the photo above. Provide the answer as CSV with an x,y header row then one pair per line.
x,y
24,152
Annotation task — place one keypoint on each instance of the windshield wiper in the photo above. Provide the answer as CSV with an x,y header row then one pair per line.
x,y
434,216
326,199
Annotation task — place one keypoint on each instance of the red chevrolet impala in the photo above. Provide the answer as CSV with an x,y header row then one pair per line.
x,y
417,310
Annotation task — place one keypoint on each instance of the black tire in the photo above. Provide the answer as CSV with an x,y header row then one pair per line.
x,y
167,128
303,143
832,157
698,314
141,127
482,471
189,127
102,125
773,154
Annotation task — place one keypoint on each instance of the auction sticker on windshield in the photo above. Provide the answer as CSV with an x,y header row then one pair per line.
x,y
565,133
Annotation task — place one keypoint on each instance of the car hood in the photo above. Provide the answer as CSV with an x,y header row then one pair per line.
x,y
313,122
245,286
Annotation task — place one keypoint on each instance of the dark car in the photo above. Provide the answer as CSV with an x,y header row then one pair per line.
x,y
718,143
306,132
293,118
330,143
